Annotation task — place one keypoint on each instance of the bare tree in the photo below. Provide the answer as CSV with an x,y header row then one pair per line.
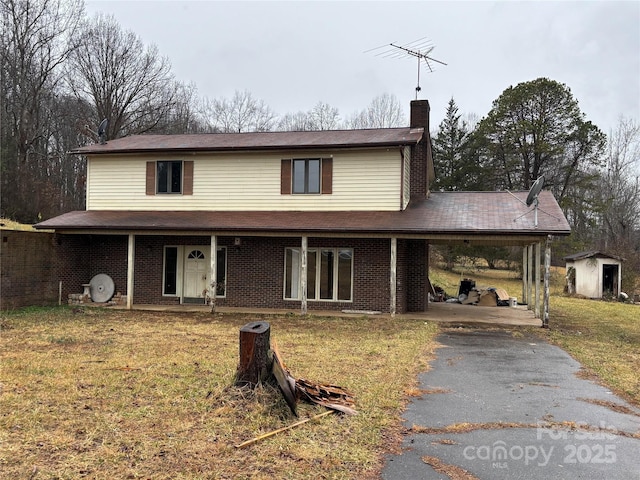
x,y
129,84
295,122
241,113
321,117
384,111
324,117
34,45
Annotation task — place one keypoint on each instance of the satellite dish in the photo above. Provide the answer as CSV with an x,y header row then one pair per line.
x,y
101,288
102,131
534,191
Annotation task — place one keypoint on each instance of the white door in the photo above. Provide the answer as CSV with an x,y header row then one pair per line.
x,y
196,273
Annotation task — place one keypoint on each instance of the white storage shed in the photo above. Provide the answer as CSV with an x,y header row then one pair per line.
x,y
594,274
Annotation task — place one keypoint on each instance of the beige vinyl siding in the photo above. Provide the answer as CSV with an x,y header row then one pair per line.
x,y
362,180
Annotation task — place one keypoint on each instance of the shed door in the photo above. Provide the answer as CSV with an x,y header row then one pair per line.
x,y
610,280
196,265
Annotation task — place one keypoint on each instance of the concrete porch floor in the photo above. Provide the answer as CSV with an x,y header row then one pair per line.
x,y
438,312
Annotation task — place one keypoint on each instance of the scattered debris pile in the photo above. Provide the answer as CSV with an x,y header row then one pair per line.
x,y
329,396
469,294
485,297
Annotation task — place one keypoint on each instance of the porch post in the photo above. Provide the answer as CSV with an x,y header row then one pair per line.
x,y
303,275
525,268
130,260
393,275
537,280
213,273
529,276
547,267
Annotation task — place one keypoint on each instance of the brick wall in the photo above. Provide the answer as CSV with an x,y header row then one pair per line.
x,y
255,271
34,263
419,158
27,269
416,270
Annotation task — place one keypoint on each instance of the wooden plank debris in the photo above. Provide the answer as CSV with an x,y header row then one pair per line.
x,y
274,432
285,381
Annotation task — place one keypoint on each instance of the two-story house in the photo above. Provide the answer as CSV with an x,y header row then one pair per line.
x,y
323,220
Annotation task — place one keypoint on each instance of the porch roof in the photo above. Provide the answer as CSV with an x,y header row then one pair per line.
x,y
444,216
256,141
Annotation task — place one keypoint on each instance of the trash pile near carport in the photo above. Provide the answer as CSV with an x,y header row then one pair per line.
x,y
469,294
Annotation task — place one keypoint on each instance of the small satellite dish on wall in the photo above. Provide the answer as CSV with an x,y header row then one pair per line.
x,y
101,288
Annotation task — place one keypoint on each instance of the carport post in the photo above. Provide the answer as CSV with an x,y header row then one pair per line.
x,y
547,267
529,276
537,280
525,268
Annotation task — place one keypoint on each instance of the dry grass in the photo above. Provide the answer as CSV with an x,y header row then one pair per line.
x,y
116,394
602,336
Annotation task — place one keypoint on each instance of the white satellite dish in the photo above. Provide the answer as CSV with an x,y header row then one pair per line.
x,y
101,288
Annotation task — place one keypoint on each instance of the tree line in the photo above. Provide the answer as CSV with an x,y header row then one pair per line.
x,y
62,72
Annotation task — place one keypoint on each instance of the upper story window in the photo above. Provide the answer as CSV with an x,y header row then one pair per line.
x,y
307,176
170,177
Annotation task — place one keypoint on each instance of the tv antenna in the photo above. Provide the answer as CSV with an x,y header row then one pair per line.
x,y
420,49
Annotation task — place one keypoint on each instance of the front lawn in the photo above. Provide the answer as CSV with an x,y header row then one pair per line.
x,y
114,394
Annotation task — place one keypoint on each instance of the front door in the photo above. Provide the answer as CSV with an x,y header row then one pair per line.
x,y
196,275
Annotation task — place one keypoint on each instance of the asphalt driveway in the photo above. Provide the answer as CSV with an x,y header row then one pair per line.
x,y
499,406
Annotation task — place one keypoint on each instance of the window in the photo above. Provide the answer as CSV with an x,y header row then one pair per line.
x,y
170,177
329,274
221,272
170,271
305,176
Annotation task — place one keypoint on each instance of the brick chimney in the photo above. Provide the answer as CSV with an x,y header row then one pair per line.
x,y
422,172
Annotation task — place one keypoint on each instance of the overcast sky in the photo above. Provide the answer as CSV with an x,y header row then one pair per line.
x,y
294,54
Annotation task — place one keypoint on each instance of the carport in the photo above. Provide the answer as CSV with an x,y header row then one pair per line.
x,y
503,219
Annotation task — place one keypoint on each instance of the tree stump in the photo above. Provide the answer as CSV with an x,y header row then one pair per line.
x,y
254,365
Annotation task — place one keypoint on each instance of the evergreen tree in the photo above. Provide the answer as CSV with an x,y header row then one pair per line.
x,y
452,153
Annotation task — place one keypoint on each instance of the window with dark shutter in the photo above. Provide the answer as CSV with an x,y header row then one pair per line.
x,y
327,176
151,178
187,177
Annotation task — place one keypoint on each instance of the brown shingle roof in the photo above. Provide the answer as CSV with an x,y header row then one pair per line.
x,y
453,213
257,141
